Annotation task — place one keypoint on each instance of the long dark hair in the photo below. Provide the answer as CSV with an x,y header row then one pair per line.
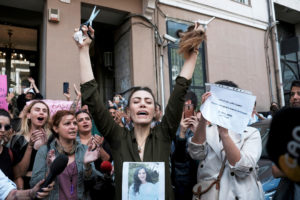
x,y
137,182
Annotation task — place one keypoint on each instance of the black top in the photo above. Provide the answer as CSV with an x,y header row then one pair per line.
x,y
21,101
123,142
19,145
7,161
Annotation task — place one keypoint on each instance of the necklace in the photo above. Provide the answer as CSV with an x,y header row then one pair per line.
x,y
71,177
140,147
61,149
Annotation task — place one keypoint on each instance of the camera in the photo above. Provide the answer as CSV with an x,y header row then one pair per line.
x,y
169,38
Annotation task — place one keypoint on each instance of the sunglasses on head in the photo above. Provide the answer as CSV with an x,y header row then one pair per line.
x,y
6,127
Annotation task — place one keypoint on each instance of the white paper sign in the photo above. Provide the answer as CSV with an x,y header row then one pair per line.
x,y
143,180
228,107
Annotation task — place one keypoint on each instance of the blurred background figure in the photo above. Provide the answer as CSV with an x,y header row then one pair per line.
x,y
273,109
255,116
184,168
284,150
29,94
157,116
6,154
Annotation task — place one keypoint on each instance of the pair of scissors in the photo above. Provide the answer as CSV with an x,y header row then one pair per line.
x,y
89,22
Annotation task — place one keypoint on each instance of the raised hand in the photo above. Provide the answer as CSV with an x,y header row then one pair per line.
x,y
90,154
10,96
37,138
98,140
118,117
184,123
86,41
222,131
31,80
193,123
110,103
199,27
68,95
77,92
205,97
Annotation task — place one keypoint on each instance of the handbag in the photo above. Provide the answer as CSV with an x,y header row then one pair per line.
x,y
205,189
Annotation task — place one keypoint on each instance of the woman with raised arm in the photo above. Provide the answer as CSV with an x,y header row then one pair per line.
x,y
227,160
141,143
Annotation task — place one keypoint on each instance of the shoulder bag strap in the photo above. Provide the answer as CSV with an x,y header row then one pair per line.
x,y
217,182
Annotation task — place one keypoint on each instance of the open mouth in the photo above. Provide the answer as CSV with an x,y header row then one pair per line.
x,y
85,126
142,113
73,133
41,118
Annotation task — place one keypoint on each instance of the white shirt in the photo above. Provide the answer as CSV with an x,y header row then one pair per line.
x,y
239,181
6,185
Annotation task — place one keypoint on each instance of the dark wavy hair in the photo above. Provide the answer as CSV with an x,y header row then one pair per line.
x,y
137,182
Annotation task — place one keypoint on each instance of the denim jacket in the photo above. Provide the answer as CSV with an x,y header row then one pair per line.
x,y
40,169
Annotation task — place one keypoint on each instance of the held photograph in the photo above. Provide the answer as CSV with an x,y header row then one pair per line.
x,y
143,180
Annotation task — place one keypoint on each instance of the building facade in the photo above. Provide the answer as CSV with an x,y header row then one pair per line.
x,y
130,48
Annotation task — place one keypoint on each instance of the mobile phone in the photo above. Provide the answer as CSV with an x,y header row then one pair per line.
x,y
66,87
188,110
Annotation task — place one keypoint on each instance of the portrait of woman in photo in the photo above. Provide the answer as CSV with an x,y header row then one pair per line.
x,y
142,187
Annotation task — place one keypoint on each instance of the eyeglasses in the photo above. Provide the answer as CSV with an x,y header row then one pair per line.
x,y
6,127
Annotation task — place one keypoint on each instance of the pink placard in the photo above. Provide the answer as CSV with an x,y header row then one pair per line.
x,y
56,105
3,92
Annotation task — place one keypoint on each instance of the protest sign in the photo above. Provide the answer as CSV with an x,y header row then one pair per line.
x,y
228,107
3,92
56,105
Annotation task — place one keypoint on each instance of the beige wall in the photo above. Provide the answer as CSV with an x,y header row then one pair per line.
x,y
133,6
62,63
234,52
143,55
61,51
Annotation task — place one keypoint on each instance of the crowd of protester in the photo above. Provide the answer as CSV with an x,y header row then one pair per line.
x,y
202,160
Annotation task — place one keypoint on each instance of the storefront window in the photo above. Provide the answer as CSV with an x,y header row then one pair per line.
x,y
18,56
